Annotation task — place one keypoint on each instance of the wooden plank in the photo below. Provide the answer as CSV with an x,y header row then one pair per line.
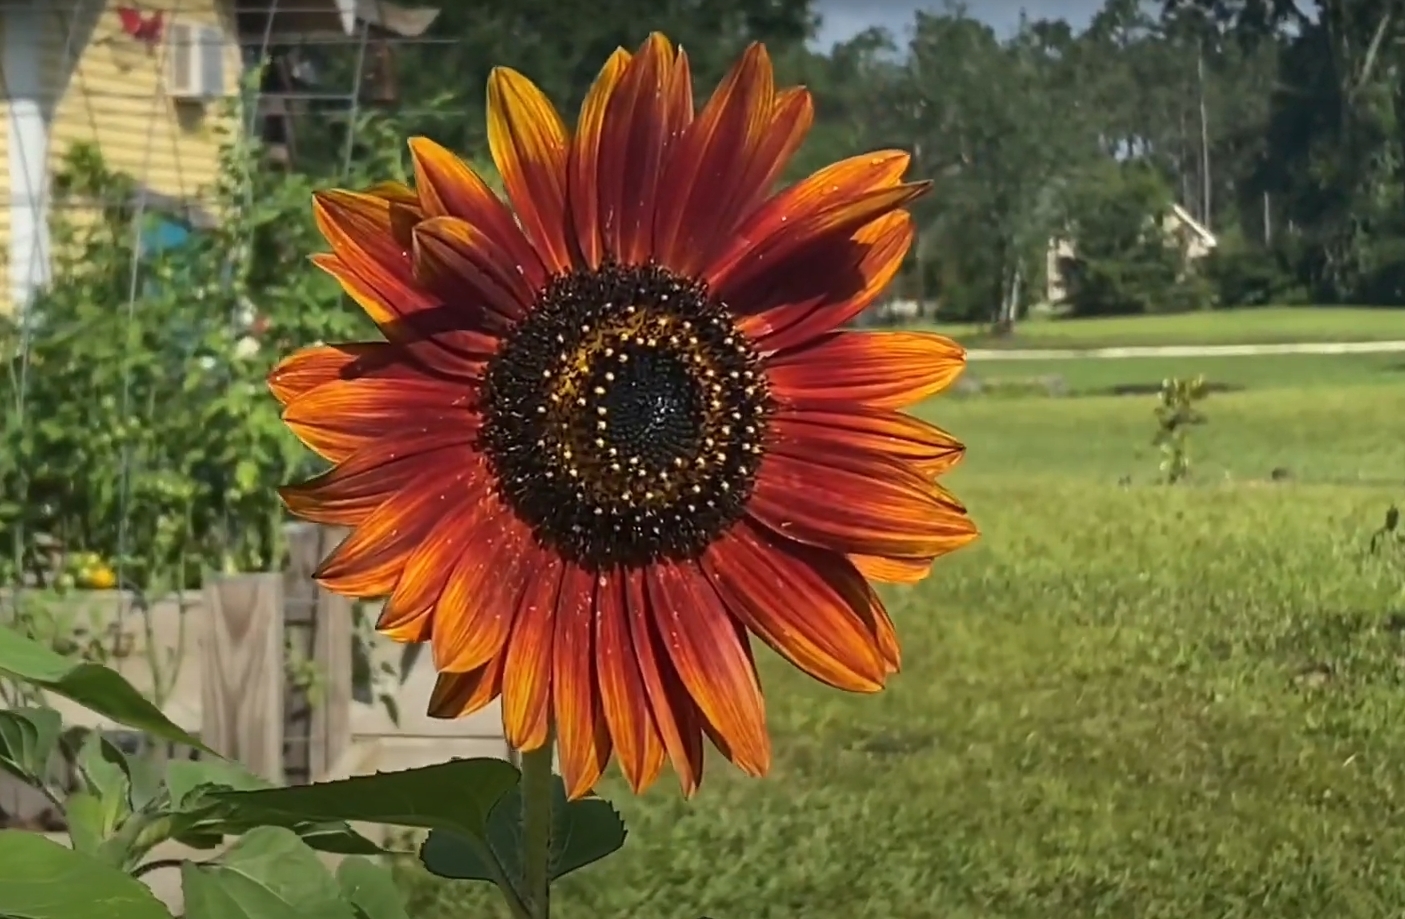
x,y
243,671
332,650
25,807
326,621
299,612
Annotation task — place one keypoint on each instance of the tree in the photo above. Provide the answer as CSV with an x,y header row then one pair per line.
x,y
1125,261
1003,120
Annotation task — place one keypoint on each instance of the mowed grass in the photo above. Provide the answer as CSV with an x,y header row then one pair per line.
x,y
1268,371
1320,434
1167,703
1264,325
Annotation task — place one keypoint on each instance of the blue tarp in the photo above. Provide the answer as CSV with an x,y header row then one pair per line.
x,y
162,234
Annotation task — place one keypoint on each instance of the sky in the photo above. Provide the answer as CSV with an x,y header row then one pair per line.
x,y
844,18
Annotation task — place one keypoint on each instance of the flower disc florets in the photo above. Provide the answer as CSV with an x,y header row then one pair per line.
x,y
626,417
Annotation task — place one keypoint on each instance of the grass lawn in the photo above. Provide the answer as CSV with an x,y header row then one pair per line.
x,y
1150,702
1090,376
1266,325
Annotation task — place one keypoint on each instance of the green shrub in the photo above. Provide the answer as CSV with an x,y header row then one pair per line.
x,y
145,370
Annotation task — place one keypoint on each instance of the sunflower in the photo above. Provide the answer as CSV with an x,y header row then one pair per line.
x,y
615,428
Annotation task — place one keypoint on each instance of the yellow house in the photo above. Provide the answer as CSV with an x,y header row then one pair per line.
x,y
146,86
148,83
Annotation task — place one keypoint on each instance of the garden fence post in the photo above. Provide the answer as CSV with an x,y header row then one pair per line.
x,y
320,632
242,674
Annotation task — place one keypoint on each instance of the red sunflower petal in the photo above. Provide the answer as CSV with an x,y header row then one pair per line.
x,y
347,494
893,570
478,605
638,130
409,630
680,88
855,502
530,145
700,637
884,633
883,370
926,447
809,605
747,264
526,697
397,193
846,180
338,418
624,697
430,337
369,562
371,235
450,188
371,238
309,368
583,740
792,116
837,280
584,167
675,713
408,614
701,195
457,695
464,265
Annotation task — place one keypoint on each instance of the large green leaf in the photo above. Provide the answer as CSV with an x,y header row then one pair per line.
x,y
268,874
188,780
145,775
27,740
41,879
104,771
201,813
455,796
83,813
95,687
583,831
370,889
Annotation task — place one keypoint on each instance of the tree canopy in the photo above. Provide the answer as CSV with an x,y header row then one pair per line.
x,y
1277,124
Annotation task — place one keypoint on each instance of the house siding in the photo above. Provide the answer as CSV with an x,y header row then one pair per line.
x,y
26,104
108,90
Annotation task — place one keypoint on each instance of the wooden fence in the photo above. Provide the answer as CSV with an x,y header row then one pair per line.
x,y
233,691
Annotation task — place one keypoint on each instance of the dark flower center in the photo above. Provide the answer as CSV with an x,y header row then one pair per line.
x,y
625,417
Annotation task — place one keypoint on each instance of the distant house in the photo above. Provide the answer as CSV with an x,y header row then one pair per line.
x,y
1193,238
147,84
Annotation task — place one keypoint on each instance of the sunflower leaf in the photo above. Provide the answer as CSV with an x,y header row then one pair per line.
x,y
95,687
41,879
27,740
370,889
104,771
268,874
456,796
586,831
451,856
203,810
583,831
84,814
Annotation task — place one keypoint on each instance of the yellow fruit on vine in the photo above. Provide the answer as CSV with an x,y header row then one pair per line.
x,y
99,577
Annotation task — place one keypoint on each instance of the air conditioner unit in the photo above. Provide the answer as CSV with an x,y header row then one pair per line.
x,y
195,62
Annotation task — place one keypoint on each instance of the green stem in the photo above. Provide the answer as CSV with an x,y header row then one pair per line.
x,y
537,797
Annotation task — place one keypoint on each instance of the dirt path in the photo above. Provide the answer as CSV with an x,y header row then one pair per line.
x,y
1040,354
